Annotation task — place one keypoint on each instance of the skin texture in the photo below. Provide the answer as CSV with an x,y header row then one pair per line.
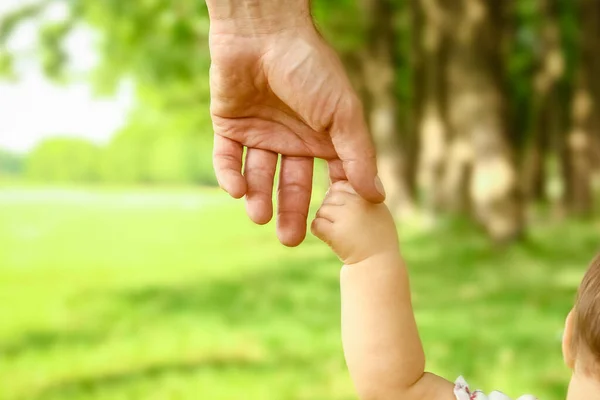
x,y
379,333
381,342
279,91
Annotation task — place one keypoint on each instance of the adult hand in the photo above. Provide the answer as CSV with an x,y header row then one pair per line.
x,y
278,89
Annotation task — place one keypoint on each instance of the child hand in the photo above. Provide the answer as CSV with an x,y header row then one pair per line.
x,y
354,228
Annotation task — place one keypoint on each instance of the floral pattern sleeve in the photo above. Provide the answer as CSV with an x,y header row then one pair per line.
x,y
463,392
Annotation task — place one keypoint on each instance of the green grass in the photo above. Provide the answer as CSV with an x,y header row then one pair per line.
x,y
176,295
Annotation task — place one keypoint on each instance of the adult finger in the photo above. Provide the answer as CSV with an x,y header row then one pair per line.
x,y
259,171
354,147
336,171
295,188
227,162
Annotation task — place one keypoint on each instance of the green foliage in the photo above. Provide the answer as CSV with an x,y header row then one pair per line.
x,y
125,160
341,23
176,295
157,42
162,46
168,138
10,164
6,65
521,65
523,58
64,160
11,20
51,52
51,38
135,156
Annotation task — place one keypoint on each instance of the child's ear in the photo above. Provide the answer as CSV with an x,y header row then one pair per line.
x,y
567,342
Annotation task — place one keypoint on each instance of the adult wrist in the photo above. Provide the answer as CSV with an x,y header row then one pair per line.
x,y
256,17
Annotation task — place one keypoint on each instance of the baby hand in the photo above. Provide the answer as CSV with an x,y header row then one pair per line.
x,y
354,228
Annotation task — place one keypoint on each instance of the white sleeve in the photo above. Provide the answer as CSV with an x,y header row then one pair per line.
x,y
463,392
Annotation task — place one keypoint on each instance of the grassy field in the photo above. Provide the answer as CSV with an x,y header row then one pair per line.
x,y
176,295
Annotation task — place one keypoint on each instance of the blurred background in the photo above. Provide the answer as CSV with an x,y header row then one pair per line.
x,y
126,274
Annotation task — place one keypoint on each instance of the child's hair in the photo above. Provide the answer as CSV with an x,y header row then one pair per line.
x,y
586,340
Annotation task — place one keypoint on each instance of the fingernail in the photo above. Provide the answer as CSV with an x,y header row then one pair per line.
x,y
379,186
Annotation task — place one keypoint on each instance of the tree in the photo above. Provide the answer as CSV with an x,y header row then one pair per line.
x,y
478,115
547,111
378,66
430,100
467,93
584,112
10,164
365,34
161,46
64,160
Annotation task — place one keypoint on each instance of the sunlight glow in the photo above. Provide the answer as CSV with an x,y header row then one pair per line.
x,y
33,108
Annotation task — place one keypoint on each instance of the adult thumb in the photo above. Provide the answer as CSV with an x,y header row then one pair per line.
x,y
354,147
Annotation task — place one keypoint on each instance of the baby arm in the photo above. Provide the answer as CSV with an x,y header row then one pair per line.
x,y
379,333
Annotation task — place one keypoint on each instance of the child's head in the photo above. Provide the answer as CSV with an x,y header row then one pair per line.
x,y
581,345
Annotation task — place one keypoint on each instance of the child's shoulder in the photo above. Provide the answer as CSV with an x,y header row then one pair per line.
x,y
463,392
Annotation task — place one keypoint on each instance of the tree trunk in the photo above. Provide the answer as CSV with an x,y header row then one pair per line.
x,y
432,124
478,115
379,70
458,163
584,109
547,110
